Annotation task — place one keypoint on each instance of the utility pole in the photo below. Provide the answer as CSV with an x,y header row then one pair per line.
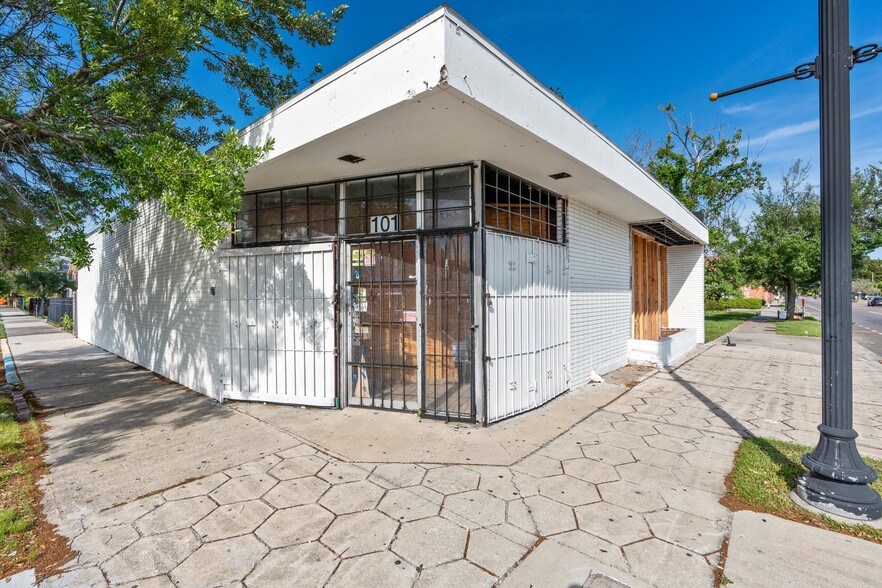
x,y
838,479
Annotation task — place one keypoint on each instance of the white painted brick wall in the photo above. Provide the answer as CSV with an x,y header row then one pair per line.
x,y
686,288
600,292
146,297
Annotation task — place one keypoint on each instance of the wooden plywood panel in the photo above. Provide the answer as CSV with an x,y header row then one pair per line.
x,y
649,272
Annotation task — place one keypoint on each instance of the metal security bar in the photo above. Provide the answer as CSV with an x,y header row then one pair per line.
x,y
383,356
449,340
516,206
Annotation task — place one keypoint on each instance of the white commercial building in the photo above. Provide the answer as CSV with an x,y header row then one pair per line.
x,y
434,231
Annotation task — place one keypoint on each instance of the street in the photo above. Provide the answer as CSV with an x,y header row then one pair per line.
x,y
866,320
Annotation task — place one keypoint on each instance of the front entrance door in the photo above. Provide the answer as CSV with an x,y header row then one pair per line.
x,y
410,338
383,359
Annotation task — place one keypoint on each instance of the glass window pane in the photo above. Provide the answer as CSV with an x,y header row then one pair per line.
x,y
448,218
407,183
454,198
325,192
380,206
273,216
323,228
269,199
294,232
383,186
354,207
294,214
322,211
454,177
245,227
249,202
269,233
408,221
356,222
245,220
294,196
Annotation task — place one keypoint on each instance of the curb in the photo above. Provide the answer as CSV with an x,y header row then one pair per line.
x,y
13,384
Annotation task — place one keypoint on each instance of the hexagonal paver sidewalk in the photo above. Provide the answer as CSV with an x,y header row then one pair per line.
x,y
628,496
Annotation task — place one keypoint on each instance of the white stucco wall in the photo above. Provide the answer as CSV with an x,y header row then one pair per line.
x,y
146,297
686,288
600,292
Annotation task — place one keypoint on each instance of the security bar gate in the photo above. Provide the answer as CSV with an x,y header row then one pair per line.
x,y
409,316
278,330
383,358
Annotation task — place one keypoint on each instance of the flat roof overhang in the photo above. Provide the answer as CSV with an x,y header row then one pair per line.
x,y
438,93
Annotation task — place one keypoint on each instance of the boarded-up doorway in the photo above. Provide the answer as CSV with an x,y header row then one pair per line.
x,y
650,287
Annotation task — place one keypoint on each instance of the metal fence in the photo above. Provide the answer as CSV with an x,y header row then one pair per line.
x,y
58,307
36,306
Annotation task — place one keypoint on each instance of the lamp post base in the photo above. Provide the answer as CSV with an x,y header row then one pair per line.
x,y
838,480
852,501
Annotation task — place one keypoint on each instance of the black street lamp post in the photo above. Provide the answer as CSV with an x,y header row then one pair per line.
x,y
838,479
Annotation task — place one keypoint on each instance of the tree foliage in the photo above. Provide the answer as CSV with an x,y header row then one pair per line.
x,y
866,214
43,283
870,269
7,283
864,286
782,247
708,172
98,112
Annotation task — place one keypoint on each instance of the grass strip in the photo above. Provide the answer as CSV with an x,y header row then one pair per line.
x,y
764,473
719,322
807,327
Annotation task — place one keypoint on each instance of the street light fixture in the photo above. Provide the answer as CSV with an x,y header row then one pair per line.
x,y
838,479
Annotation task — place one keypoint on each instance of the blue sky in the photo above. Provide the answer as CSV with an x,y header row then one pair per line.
x,y
616,62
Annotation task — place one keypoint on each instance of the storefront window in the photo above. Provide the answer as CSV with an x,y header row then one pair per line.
x,y
293,214
517,206
434,199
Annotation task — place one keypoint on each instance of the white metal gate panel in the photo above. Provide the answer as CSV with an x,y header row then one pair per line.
x,y
278,325
527,329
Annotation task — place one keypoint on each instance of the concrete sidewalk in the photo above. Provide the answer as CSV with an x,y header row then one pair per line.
x,y
157,486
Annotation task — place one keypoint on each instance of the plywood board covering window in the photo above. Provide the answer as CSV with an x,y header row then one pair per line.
x,y
650,287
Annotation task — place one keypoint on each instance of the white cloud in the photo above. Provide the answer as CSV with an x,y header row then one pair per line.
x,y
808,126
866,112
788,131
739,108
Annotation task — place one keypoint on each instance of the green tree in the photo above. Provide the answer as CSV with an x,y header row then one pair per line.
x,y
707,171
870,269
782,248
98,112
7,283
43,283
866,207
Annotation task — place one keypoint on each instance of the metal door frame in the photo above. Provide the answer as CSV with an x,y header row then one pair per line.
x,y
344,312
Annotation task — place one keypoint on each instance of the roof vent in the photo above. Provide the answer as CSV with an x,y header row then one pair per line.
x,y
560,176
351,158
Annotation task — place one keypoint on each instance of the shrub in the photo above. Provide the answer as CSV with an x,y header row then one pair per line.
x,y
727,303
66,323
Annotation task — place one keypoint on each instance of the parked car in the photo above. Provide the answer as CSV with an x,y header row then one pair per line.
x,y
875,301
